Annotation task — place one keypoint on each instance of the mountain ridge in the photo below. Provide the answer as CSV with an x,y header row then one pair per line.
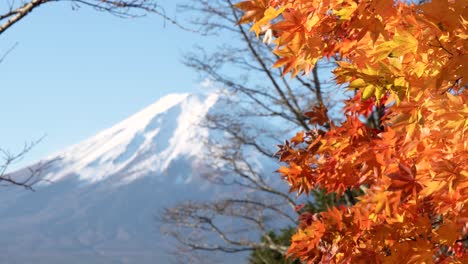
x,y
146,133
101,197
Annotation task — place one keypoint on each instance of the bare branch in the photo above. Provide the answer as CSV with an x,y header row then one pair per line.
x,y
17,14
204,217
297,112
28,178
120,8
263,108
8,52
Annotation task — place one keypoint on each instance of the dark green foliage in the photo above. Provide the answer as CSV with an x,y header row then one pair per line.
x,y
264,256
320,202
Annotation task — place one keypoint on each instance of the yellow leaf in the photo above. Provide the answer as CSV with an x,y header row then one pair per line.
x,y
405,43
270,14
345,13
358,83
379,92
368,92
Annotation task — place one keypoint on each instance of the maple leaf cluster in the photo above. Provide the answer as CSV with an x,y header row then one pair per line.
x,y
409,60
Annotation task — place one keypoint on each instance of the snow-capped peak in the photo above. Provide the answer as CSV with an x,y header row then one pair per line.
x,y
145,143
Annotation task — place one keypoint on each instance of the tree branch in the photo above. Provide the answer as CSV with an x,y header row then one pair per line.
x,y
19,13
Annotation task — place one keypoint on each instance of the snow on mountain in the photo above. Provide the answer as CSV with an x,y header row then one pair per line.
x,y
103,194
145,142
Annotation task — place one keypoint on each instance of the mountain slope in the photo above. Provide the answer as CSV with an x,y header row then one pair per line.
x,y
105,192
144,143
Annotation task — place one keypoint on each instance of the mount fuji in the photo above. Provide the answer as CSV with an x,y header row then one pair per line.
x,y
100,197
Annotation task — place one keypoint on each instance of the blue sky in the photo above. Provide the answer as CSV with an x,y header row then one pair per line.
x,y
75,73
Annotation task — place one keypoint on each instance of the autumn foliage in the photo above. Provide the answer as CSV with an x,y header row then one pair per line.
x,y
409,62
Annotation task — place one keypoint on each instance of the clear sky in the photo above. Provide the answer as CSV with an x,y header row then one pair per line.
x,y
74,73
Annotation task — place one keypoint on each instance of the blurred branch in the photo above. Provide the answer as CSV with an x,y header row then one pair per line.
x,y
298,114
8,52
26,179
120,8
206,217
260,107
14,15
